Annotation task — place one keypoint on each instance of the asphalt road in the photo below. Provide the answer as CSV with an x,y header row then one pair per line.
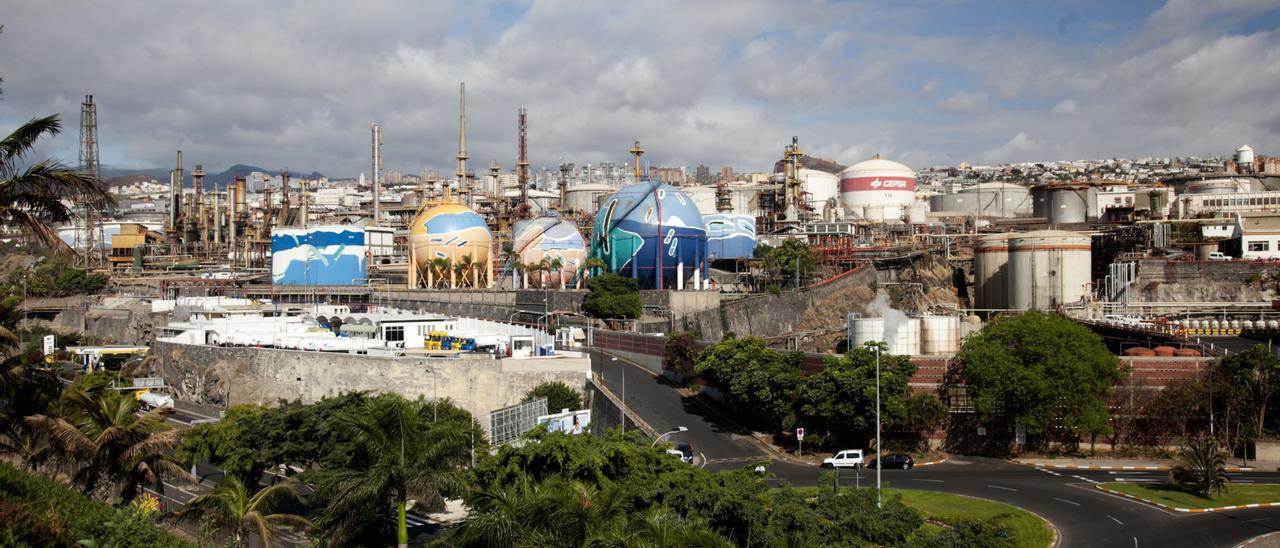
x,y
663,407
1083,514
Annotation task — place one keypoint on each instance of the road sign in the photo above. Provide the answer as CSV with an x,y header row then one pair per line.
x,y
50,345
799,434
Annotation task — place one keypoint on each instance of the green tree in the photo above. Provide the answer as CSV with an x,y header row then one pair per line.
x,y
97,430
923,413
559,396
610,296
792,260
839,403
1200,467
34,198
680,354
1258,371
1042,370
235,507
758,383
237,444
405,449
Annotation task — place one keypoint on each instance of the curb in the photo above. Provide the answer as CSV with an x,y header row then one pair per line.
x,y
930,463
1192,510
1162,468
1259,538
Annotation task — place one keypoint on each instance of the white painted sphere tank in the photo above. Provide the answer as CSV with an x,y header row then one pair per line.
x,y
1048,268
872,329
1244,155
1247,325
1273,325
1215,324
821,186
991,272
877,189
939,335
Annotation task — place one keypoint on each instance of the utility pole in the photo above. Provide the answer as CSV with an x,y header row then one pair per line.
x,y
879,453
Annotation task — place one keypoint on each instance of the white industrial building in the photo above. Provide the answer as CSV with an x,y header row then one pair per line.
x,y
1256,237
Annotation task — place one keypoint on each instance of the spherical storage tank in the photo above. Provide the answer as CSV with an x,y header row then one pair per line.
x,y
1048,268
652,232
991,271
549,237
907,340
450,231
877,189
730,236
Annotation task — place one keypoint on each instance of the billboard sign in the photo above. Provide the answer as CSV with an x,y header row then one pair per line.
x,y
856,184
569,422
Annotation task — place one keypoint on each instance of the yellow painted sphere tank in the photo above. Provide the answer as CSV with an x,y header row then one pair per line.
x,y
454,232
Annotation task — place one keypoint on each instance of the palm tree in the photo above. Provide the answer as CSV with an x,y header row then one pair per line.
x,y
1201,468
556,512
233,506
588,266
402,454
99,432
556,264
31,199
658,526
464,266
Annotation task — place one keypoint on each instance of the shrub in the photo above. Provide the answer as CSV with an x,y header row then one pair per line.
x,y
559,396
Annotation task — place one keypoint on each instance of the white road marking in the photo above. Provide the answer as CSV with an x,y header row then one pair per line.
x,y
1004,488
929,480
1082,478
704,460
1066,501
1113,518
1137,480
1135,542
1258,519
1127,473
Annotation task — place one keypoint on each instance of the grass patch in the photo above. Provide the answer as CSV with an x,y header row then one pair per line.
x,y
1172,495
1029,531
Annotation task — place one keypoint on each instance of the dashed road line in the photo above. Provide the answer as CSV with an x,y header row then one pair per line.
x,y
1082,478
1113,518
928,480
1067,501
999,487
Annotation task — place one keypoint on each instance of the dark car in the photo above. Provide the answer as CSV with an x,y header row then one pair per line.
x,y
904,462
686,451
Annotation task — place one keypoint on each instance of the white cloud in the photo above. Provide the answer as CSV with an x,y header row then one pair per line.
x,y
964,102
1013,150
1065,106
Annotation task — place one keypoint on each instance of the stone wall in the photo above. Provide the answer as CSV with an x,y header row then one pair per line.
x,y
1160,280
477,383
776,315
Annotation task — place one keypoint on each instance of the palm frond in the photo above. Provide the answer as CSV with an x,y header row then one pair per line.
x,y
17,144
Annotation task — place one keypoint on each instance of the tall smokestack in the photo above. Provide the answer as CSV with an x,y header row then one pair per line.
x,y
462,138
522,162
377,169
636,153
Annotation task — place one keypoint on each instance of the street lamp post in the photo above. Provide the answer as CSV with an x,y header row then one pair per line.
x,y
878,452
624,394
675,430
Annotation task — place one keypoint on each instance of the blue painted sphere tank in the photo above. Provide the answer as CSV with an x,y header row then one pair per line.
x,y
652,232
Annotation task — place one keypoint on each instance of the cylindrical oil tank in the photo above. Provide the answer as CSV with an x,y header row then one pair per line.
x,y
652,232
1069,204
1187,353
1048,268
1139,351
991,271
1244,156
1164,351
821,188
939,335
1215,325
1040,201
587,196
1215,186
1273,325
1246,325
1235,324
703,196
907,339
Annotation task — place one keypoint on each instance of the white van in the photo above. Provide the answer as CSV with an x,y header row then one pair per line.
x,y
849,458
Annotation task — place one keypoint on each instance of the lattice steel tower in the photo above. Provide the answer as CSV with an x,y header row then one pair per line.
x,y
90,236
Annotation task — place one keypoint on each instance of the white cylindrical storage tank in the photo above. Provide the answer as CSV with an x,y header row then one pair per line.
x,y
703,197
1246,325
877,189
991,271
1214,325
1048,268
1244,155
821,188
1235,324
1069,204
917,214
1273,325
907,339
587,197
1216,186
866,330
939,335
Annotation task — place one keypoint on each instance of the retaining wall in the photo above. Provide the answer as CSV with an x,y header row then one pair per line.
x,y
237,375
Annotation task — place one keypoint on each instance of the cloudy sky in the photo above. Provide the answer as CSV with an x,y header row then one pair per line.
x,y
296,84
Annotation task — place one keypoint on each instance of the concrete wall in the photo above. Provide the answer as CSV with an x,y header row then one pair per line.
x,y
785,312
1160,280
240,375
